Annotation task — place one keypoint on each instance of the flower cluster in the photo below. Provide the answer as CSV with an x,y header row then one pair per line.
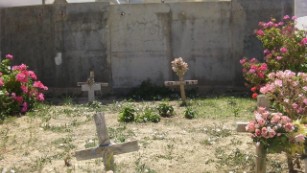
x,y
19,87
254,73
273,130
289,92
285,46
179,66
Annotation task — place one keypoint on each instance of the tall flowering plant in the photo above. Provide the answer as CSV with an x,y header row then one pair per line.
x,y
285,48
19,88
288,90
255,73
275,132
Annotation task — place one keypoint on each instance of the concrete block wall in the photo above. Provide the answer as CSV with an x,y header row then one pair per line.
x,y
127,44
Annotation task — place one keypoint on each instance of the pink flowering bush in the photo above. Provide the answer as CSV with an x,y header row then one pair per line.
x,y
19,88
274,131
288,90
255,73
285,48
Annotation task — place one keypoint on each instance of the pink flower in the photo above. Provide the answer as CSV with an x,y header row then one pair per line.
x,y
24,89
250,127
266,51
288,127
283,50
19,99
40,97
252,70
257,132
21,77
286,17
9,56
253,60
243,61
24,107
305,101
32,75
278,82
304,41
1,82
299,138
259,32
281,23
275,119
294,106
294,17
285,119
39,84
263,67
279,57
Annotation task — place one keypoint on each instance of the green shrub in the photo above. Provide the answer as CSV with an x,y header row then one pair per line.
x,y
149,91
165,110
189,113
127,114
148,115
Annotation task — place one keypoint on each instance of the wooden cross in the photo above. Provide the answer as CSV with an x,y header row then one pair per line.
x,y
106,149
91,86
181,84
262,101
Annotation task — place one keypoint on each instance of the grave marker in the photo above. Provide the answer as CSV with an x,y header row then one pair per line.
x,y
91,86
262,101
106,149
180,68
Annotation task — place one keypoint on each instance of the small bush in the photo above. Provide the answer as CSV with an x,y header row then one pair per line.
x,y
148,115
127,114
165,110
149,91
189,113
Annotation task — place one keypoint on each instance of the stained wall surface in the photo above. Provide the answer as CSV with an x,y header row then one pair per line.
x,y
127,44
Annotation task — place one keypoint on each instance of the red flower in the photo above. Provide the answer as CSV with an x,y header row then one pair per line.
x,y
254,89
254,96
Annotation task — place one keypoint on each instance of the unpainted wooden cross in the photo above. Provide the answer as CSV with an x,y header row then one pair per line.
x,y
262,101
181,84
91,86
106,149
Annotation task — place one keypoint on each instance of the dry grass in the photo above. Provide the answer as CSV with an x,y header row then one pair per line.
x,y
45,140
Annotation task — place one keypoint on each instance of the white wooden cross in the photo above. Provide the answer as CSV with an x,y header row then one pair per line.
x,y
181,84
262,101
91,86
106,149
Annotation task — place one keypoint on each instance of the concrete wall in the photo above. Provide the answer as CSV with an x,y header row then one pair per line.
x,y
126,44
300,8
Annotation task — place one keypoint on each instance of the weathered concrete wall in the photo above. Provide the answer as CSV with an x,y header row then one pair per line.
x,y
126,44
300,8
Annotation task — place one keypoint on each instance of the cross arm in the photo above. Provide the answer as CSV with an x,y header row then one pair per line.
x,y
99,83
186,82
93,153
241,126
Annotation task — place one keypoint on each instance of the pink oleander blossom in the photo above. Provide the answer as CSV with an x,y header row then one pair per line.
x,y
39,84
24,107
32,75
9,56
40,97
283,50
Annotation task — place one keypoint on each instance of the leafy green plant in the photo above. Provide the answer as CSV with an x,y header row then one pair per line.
x,y
148,115
165,110
189,113
127,114
19,88
149,91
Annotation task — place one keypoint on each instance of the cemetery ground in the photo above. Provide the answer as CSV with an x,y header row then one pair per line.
x,y
46,139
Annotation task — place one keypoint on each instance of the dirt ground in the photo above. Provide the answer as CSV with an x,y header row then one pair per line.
x,y
46,140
